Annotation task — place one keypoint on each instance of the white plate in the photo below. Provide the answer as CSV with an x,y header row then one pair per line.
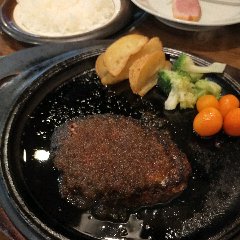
x,y
213,14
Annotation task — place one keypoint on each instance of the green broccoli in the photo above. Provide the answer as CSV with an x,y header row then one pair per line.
x,y
178,87
181,90
204,87
195,76
184,84
185,63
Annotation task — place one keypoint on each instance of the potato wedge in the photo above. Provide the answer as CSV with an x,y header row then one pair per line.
x,y
100,67
143,70
106,77
168,65
153,45
109,79
118,53
152,81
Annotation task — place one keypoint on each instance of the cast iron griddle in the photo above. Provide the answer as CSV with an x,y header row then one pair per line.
x,y
43,99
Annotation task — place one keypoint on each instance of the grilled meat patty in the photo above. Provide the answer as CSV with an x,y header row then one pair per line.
x,y
110,162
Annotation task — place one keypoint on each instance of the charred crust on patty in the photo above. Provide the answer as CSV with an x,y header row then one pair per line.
x,y
114,162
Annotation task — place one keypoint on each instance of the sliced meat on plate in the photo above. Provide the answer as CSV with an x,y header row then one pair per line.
x,y
189,10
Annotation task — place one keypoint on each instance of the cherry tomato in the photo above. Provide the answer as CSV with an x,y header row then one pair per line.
x,y
227,103
207,101
208,122
231,123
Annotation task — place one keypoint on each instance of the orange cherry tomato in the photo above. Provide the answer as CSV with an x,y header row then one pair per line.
x,y
231,124
207,101
227,103
208,122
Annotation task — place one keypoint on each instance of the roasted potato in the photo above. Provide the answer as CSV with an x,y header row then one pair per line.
x,y
153,45
142,71
119,52
168,65
109,79
106,77
100,67
132,57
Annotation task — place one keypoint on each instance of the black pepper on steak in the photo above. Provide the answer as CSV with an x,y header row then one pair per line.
x,y
110,162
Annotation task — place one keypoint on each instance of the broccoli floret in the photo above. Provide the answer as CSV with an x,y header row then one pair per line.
x,y
167,77
184,84
204,87
195,76
185,63
179,88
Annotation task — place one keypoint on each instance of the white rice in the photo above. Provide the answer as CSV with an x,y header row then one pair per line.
x,y
56,18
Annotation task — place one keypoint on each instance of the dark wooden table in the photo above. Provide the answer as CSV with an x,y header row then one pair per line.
x,y
221,44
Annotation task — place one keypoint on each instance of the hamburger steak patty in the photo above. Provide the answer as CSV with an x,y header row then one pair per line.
x,y
110,162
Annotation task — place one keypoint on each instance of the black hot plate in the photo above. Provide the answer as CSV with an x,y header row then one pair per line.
x,y
47,95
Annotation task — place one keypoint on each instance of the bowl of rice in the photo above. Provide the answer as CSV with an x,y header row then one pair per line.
x,y
41,21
